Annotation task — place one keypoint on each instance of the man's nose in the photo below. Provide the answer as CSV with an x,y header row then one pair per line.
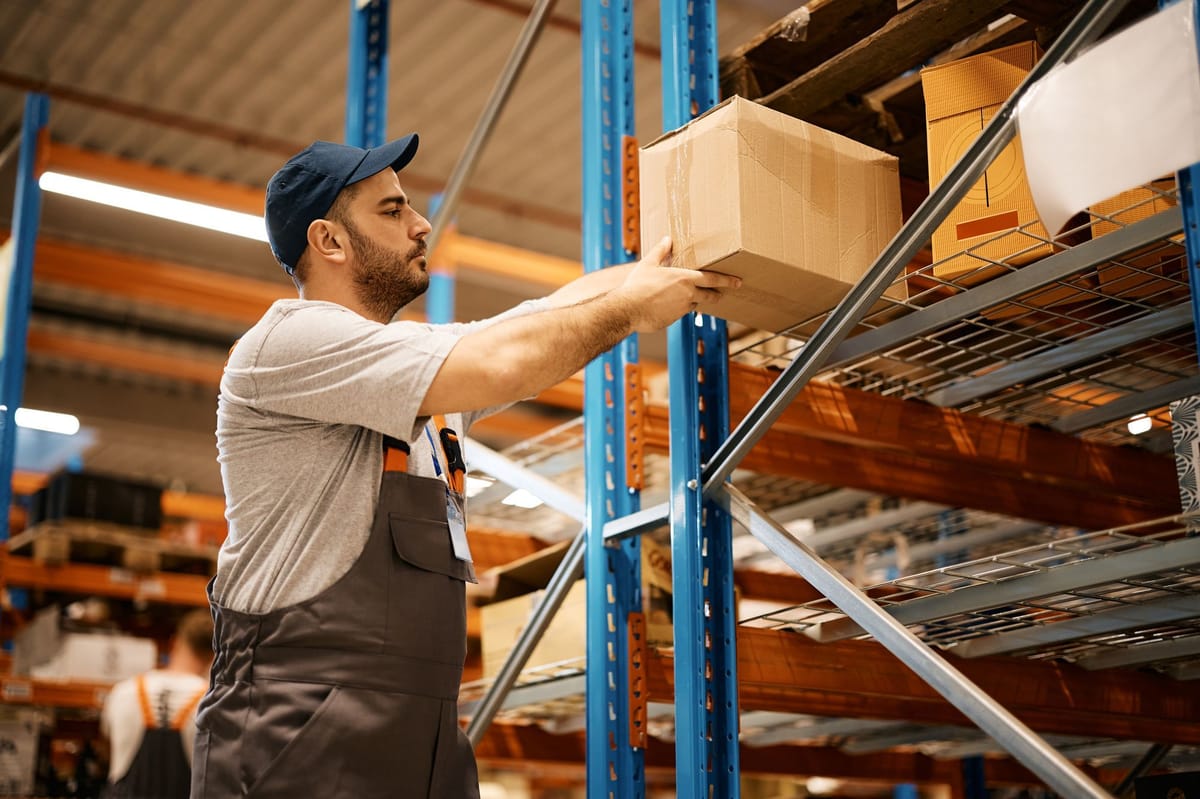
x,y
423,228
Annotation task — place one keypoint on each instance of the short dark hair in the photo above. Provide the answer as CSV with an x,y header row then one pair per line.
x,y
195,630
338,212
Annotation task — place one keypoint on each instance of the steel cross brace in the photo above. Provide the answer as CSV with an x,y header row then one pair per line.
x,y
1011,733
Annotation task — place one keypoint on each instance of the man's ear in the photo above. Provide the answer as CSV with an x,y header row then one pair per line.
x,y
327,240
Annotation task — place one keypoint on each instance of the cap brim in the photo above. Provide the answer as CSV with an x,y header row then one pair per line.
x,y
395,154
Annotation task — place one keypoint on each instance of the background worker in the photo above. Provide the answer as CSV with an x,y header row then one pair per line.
x,y
339,598
149,720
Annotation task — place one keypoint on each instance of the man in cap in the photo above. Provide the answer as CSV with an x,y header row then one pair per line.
x,y
339,600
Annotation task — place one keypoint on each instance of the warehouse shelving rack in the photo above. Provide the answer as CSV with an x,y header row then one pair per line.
x,y
912,349
1121,569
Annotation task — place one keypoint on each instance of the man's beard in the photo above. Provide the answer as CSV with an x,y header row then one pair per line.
x,y
385,279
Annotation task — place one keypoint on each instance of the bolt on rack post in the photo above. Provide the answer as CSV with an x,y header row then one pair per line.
x,y
615,683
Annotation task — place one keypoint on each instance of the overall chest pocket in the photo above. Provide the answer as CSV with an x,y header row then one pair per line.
x,y
427,592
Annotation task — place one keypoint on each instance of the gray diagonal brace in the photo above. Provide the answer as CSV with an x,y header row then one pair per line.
x,y
991,717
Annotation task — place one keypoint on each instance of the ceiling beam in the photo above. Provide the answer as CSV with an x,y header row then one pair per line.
x,y
149,280
207,291
283,148
782,671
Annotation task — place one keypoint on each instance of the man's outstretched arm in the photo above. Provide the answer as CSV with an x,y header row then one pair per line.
x,y
517,358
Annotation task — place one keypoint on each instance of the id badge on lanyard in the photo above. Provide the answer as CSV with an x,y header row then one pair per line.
x,y
453,476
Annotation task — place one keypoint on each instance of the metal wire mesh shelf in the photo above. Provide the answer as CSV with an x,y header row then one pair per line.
x,y
1079,597
1055,329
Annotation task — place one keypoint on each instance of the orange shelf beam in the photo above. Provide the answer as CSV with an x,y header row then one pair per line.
x,y
89,579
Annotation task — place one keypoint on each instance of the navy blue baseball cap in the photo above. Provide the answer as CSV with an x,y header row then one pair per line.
x,y
305,187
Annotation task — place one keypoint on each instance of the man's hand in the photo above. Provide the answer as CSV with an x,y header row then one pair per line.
x,y
658,294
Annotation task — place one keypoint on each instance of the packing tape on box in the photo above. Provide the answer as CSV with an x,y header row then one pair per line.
x,y
1122,114
679,210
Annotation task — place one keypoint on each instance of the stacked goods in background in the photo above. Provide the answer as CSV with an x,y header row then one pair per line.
x,y
96,497
1155,272
997,220
799,213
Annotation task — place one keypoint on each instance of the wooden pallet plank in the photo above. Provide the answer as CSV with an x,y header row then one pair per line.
x,y
907,40
785,48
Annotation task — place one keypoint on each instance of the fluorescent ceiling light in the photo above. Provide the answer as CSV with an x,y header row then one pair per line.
x,y
521,499
1141,423
32,419
221,220
475,485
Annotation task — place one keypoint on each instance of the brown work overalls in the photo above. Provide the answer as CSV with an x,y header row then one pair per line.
x,y
352,693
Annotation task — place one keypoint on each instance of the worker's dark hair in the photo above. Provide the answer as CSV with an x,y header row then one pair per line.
x,y
195,630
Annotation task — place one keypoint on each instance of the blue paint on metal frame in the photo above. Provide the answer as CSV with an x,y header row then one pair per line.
x,y
366,75
1189,201
27,210
706,713
439,299
974,778
614,767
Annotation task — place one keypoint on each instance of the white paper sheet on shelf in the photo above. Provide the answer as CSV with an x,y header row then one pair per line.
x,y
1123,113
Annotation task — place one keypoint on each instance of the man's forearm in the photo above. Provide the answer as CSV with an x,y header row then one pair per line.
x,y
589,286
519,357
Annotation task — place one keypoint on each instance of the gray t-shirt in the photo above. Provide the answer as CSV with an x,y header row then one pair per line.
x,y
307,395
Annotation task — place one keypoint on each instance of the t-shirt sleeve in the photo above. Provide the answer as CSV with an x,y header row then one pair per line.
x,y
331,365
524,309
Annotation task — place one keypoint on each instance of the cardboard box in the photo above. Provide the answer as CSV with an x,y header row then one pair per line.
x,y
961,97
520,587
797,212
1156,272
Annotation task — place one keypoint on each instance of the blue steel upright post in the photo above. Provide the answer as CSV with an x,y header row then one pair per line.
x,y
27,210
706,712
614,755
366,74
1189,202
439,299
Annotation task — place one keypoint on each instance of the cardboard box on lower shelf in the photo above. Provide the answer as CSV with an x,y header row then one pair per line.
x,y
520,587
